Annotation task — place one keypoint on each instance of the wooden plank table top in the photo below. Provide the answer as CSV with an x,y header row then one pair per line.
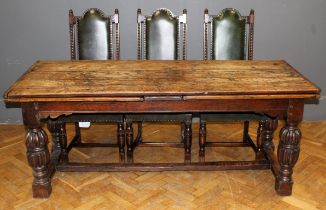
x,y
132,80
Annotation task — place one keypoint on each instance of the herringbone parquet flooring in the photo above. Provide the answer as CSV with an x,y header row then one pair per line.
x,y
164,190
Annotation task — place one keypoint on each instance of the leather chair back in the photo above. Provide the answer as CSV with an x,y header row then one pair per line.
x,y
159,35
91,35
229,35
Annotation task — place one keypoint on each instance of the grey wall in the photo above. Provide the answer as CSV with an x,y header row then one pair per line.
x,y
293,30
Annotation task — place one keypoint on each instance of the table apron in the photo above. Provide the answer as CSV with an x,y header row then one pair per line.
x,y
275,107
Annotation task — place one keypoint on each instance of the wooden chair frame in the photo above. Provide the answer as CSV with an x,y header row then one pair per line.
x,y
185,118
114,53
208,54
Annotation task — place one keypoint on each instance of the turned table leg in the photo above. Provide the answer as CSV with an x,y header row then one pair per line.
x,y
202,141
289,147
260,140
38,155
245,135
59,138
77,137
121,142
139,137
130,142
188,141
265,135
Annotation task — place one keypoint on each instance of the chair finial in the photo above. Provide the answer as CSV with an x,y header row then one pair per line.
x,y
252,16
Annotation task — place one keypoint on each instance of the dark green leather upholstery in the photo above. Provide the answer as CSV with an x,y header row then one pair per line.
x,y
161,36
228,36
93,36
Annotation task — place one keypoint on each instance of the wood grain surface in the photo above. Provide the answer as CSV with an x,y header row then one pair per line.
x,y
113,80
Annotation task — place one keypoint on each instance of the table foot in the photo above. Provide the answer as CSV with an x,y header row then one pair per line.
x,y
283,188
42,191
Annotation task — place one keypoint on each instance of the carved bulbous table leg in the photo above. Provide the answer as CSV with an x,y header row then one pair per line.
x,y
288,153
121,142
202,141
289,147
38,157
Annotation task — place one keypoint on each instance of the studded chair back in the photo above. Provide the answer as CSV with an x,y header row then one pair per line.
x,y
162,35
229,39
94,36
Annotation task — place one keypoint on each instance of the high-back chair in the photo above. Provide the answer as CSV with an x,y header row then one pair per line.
x,y
228,36
95,36
231,35
160,36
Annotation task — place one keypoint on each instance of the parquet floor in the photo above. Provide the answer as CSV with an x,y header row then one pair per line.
x,y
165,190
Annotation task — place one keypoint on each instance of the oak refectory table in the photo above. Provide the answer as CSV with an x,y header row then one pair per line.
x,y
52,89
